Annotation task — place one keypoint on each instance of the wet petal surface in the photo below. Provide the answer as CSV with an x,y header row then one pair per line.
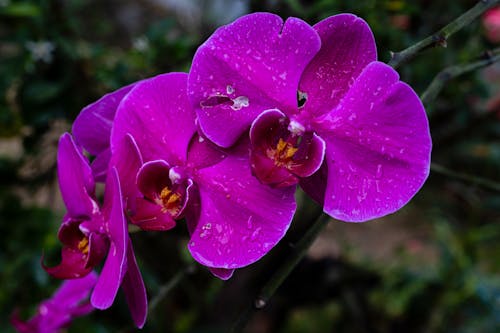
x,y
240,219
75,178
248,66
347,47
158,116
378,147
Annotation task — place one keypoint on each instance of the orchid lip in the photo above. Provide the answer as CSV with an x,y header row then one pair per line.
x,y
283,150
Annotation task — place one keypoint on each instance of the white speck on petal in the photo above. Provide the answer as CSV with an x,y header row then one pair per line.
x,y
240,102
296,128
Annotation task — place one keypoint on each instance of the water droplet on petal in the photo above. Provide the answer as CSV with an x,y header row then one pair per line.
x,y
240,102
378,173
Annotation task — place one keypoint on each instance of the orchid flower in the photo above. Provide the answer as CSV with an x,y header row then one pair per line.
x,y
89,234
169,172
67,303
319,109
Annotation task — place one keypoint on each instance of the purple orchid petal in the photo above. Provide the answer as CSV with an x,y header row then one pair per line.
x,y
114,268
135,291
75,178
73,291
267,172
56,313
92,127
203,153
222,273
128,160
100,165
98,247
309,156
240,219
378,147
73,264
246,67
78,255
150,217
157,114
159,184
347,47
152,177
271,140
315,185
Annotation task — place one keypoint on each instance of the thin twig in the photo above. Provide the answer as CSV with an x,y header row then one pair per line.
x,y
282,272
440,38
483,182
452,72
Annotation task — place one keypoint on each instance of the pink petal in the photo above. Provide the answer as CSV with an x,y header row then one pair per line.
x,y
246,67
157,114
128,160
75,178
240,219
92,127
266,131
347,46
114,268
222,273
73,291
378,147
135,291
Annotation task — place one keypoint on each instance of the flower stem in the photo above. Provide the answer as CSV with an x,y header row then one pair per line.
x,y
440,38
282,272
483,182
452,72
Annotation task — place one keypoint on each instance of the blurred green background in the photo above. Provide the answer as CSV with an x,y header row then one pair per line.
x,y
432,267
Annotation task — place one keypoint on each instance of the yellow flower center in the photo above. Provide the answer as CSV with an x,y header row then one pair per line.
x,y
83,245
170,201
283,153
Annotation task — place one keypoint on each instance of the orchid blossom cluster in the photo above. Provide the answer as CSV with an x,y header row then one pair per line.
x,y
267,105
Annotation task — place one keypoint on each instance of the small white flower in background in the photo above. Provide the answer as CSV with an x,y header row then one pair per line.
x,y
41,50
141,44
4,3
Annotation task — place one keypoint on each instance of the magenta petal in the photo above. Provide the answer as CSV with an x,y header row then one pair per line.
x,y
92,127
347,47
98,247
240,219
135,291
267,129
156,113
152,177
73,291
267,172
73,265
128,160
378,147
100,165
246,67
314,148
315,185
75,178
222,273
149,216
114,268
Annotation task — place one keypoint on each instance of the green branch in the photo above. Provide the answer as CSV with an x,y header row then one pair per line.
x,y
282,272
452,72
440,38
483,182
